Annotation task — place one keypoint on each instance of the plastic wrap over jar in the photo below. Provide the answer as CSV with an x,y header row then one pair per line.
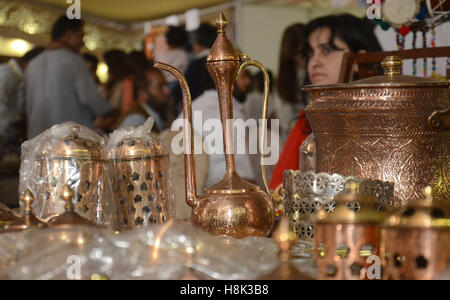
x,y
142,167
70,154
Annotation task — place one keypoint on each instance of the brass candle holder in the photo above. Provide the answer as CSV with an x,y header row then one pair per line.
x,y
345,239
417,241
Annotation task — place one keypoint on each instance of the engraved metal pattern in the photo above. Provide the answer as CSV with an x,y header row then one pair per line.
x,y
305,194
143,195
344,243
416,254
382,132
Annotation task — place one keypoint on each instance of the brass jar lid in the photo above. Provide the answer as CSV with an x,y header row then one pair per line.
x,y
74,145
392,77
28,220
69,217
342,214
422,213
137,148
222,49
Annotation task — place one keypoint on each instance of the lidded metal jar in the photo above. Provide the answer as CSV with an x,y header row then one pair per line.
x,y
418,241
392,128
142,167
346,241
70,154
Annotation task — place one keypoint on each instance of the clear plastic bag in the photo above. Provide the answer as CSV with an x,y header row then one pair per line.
x,y
165,251
142,167
73,155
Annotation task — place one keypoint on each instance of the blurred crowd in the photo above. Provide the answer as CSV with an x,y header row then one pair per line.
x,y
55,84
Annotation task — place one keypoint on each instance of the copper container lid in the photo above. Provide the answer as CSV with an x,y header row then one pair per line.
x,y
131,148
74,146
392,77
222,49
344,215
69,217
422,213
28,221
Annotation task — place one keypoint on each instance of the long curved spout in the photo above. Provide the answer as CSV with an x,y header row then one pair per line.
x,y
189,163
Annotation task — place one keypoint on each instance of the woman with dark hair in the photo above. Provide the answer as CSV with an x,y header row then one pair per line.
x,y
328,39
290,99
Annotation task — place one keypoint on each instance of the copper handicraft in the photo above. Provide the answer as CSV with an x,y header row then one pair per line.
x,y
77,159
233,206
142,169
346,241
306,194
392,128
418,241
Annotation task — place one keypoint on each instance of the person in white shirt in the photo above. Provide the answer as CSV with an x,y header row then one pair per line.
x,y
207,106
58,85
154,100
11,99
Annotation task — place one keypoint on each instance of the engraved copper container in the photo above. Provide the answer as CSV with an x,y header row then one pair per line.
x,y
306,194
417,241
233,206
346,241
77,159
392,128
142,168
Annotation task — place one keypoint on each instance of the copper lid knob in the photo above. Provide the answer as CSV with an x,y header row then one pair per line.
x,y
221,23
70,217
27,200
223,49
392,65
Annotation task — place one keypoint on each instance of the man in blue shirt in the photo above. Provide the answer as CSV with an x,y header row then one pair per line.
x,y
58,84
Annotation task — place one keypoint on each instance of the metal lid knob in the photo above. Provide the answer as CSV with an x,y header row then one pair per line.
x,y
27,200
392,65
221,23
70,217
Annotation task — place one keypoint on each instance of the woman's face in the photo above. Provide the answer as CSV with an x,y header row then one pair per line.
x,y
324,63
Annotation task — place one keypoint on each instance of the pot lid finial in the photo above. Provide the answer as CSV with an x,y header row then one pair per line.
x,y
392,65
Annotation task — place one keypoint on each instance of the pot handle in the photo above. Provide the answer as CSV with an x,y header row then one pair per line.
x,y
247,61
440,120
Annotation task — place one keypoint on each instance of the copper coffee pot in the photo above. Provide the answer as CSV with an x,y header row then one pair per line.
x,y
233,206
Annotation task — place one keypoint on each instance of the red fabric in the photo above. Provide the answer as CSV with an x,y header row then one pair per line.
x,y
289,158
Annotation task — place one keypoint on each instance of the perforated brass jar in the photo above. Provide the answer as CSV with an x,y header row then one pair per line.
x,y
417,241
393,128
142,168
346,241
